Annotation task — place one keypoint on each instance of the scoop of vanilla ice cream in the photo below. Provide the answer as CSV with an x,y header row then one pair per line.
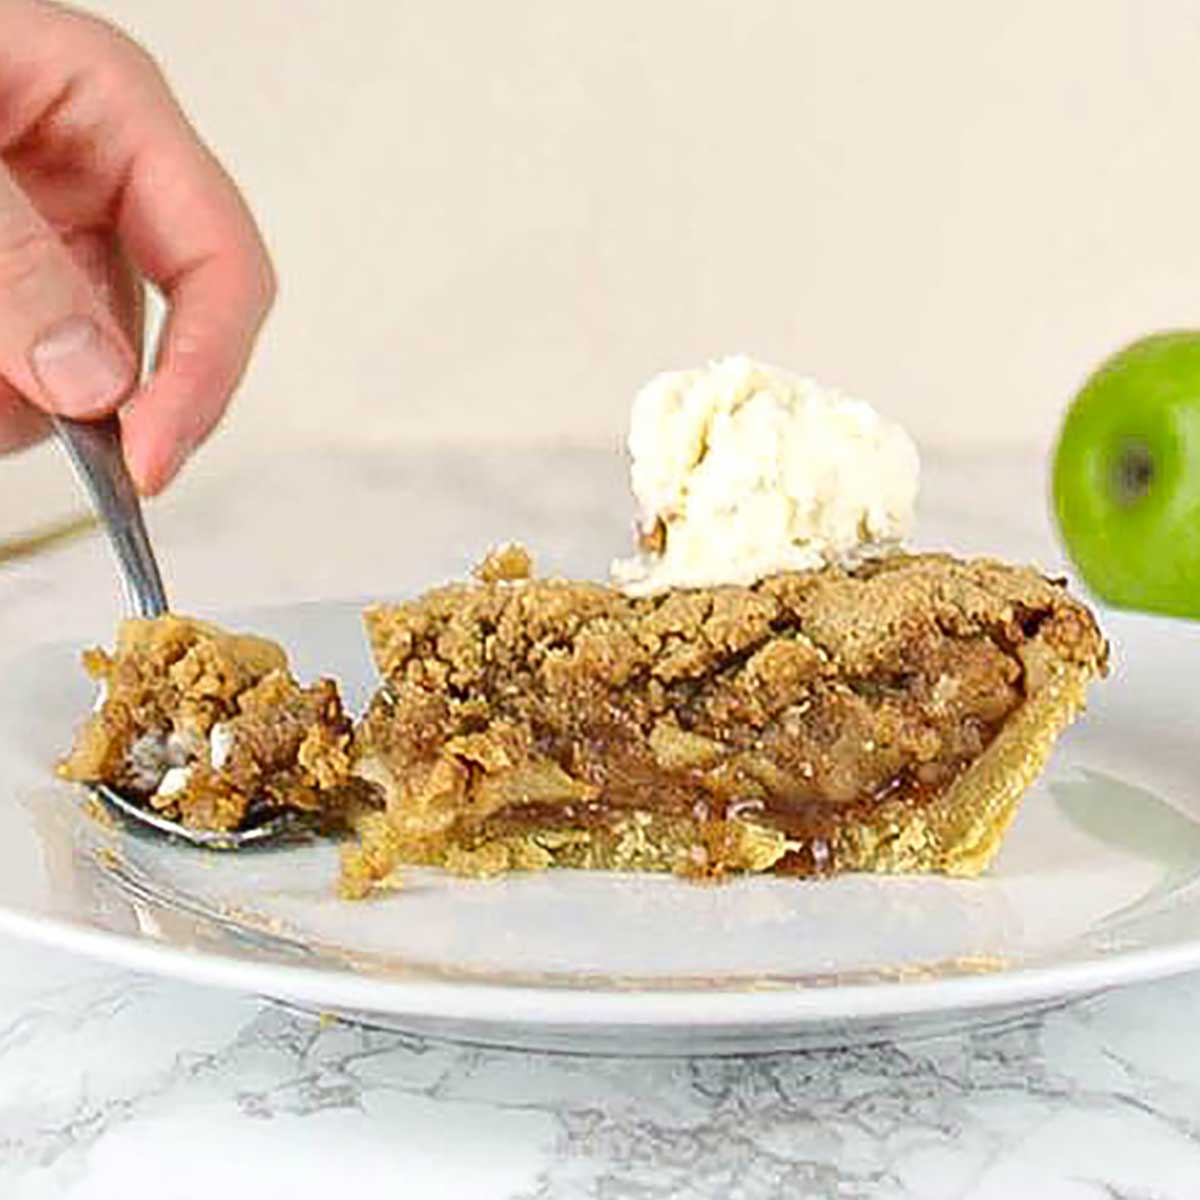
x,y
742,471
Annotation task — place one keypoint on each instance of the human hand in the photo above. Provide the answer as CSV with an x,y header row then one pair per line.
x,y
103,183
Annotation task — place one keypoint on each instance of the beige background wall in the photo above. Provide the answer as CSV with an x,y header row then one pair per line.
x,y
493,220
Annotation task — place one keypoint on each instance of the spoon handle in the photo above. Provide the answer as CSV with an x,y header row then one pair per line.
x,y
95,451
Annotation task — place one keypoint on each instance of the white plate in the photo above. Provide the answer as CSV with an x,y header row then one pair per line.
x,y
1096,886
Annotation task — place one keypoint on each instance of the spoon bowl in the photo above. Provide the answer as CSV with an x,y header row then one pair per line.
x,y
94,448
289,825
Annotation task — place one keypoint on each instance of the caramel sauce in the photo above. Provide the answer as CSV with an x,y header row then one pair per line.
x,y
803,816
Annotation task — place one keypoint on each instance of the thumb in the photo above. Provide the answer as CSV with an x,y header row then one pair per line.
x,y
59,345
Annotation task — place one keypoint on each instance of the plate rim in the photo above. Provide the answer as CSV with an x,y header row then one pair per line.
x,y
476,1000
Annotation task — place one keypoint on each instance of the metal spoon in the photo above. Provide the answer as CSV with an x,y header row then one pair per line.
x,y
95,451
96,455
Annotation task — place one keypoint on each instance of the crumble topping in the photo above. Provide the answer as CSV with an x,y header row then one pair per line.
x,y
209,727
509,563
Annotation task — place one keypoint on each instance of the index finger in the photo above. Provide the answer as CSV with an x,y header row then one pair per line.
x,y
187,228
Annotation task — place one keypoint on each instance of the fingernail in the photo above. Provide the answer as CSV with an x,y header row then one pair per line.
x,y
80,368
150,480
176,463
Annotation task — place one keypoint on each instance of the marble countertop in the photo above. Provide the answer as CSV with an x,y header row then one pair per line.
x,y
113,1084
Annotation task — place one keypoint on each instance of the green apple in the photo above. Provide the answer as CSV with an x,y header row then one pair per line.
x,y
1127,477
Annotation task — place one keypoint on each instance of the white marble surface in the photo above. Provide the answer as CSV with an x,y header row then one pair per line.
x,y
118,1085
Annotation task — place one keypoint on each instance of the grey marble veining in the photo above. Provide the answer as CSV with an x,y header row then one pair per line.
x,y
117,1085
104,1083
